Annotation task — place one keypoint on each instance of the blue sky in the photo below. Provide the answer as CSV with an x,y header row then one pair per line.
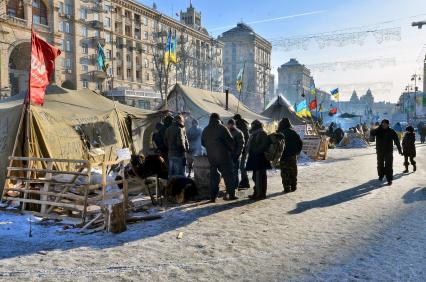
x,y
327,16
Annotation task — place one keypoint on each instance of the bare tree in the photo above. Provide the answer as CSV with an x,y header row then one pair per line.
x,y
184,64
161,70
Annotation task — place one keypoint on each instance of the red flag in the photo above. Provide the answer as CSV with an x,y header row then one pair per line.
x,y
332,112
42,64
313,105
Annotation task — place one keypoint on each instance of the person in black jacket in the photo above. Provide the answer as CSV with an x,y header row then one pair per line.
x,y
288,162
238,148
219,144
258,144
385,138
409,148
243,125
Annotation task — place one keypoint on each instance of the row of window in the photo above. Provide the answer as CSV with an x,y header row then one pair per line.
x,y
16,8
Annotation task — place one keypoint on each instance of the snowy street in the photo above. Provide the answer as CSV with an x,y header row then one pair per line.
x,y
341,224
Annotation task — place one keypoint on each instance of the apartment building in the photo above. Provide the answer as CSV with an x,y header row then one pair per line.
x,y
132,35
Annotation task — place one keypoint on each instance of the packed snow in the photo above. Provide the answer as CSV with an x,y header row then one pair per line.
x,y
341,224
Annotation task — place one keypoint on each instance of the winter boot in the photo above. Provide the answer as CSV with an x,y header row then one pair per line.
x,y
406,169
414,167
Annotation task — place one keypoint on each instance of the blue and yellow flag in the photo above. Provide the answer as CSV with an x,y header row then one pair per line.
x,y
313,90
302,109
240,77
170,52
335,93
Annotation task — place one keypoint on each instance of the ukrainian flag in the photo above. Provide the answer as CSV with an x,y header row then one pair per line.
x,y
170,52
240,76
302,109
335,93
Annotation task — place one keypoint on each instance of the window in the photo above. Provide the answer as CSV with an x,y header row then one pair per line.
x,y
128,58
85,84
97,33
146,35
142,104
68,9
138,74
61,26
68,45
15,8
98,85
67,27
108,54
96,17
147,76
39,12
60,7
129,73
84,48
146,63
118,70
62,63
108,37
85,68
83,13
145,20
84,31
68,63
107,22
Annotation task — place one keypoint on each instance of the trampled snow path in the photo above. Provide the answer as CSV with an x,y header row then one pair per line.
x,y
340,225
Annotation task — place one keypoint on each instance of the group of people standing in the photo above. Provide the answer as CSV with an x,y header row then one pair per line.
x,y
232,150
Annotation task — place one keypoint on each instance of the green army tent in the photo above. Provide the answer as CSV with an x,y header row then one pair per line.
x,y
201,103
73,125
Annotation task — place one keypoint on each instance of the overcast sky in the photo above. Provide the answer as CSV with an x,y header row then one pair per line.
x,y
274,19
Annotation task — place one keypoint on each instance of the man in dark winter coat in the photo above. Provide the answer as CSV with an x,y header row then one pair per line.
x,y
409,148
288,162
243,125
177,144
219,144
421,127
258,145
385,138
161,146
239,144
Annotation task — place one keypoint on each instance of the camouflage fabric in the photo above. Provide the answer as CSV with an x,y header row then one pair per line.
x,y
288,166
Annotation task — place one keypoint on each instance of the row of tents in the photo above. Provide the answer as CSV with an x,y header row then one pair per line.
x,y
86,125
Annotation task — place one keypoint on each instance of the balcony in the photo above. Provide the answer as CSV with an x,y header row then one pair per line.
x,y
100,75
41,28
97,24
97,40
16,21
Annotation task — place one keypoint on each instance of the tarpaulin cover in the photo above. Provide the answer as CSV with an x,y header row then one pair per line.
x,y
75,125
281,109
201,103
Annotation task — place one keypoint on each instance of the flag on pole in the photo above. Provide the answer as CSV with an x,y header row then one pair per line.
x,y
102,59
302,109
332,111
335,93
240,77
313,104
43,57
170,52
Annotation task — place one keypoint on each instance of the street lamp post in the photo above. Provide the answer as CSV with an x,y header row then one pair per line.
x,y
415,78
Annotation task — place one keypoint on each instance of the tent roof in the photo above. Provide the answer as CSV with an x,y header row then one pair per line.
x,y
214,102
87,101
280,109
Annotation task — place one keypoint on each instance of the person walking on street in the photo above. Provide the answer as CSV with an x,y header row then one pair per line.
x,y
258,144
385,138
288,163
219,144
243,125
177,145
194,139
409,148
422,133
238,148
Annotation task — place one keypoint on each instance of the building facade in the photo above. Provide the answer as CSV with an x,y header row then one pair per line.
x,y
244,48
130,33
294,81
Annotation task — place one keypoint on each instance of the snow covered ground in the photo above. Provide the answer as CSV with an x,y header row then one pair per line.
x,y
341,224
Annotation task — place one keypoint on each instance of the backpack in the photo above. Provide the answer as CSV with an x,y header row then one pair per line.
x,y
276,148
